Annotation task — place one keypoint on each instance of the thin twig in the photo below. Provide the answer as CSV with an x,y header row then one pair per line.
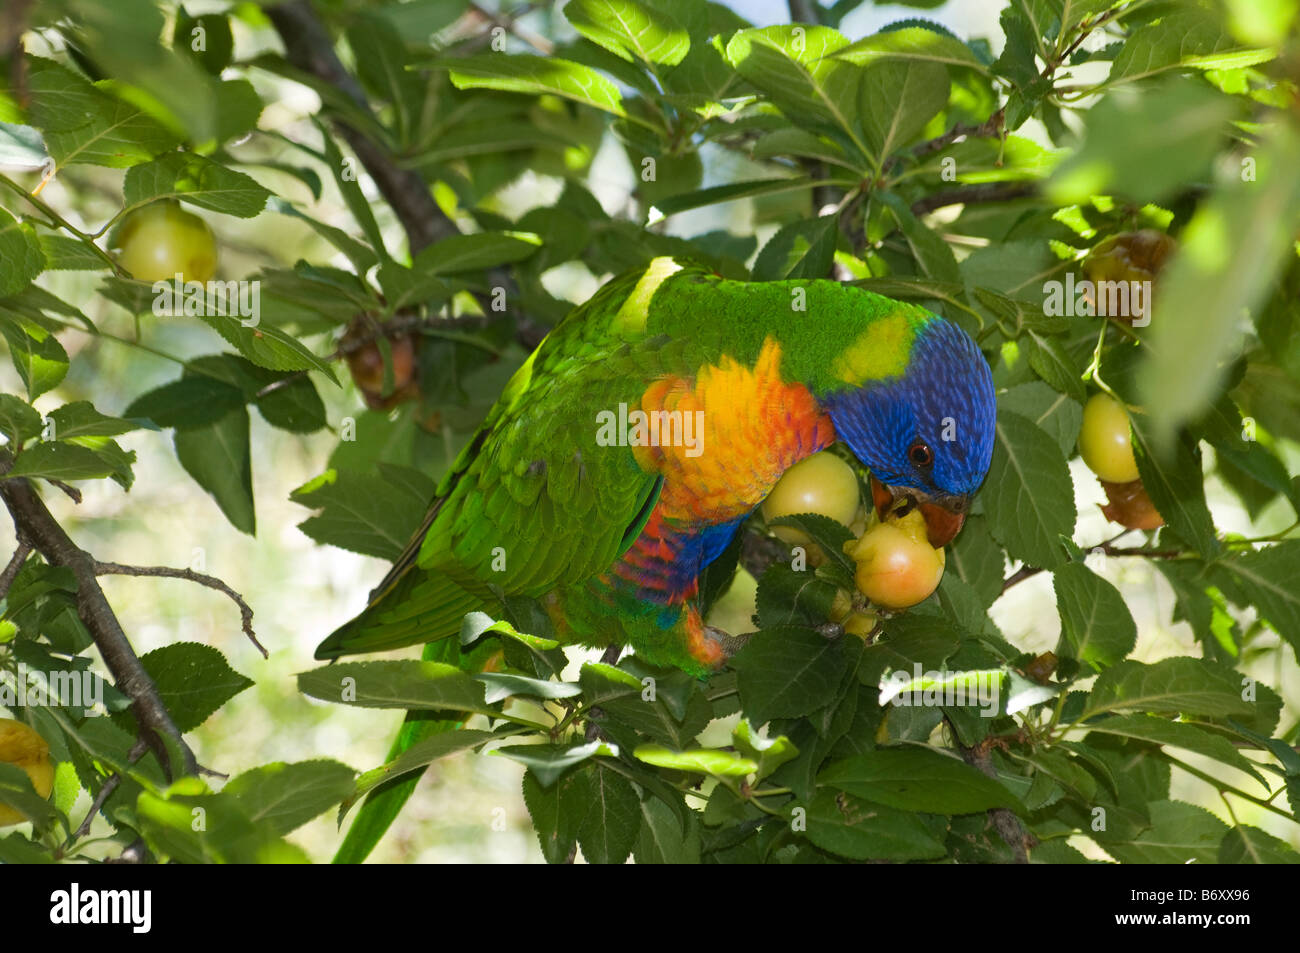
x,y
1004,820
71,492
987,129
106,791
16,562
212,582
33,520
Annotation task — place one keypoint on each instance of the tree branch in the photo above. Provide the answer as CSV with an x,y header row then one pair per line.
x,y
1004,820
972,194
212,582
307,45
34,522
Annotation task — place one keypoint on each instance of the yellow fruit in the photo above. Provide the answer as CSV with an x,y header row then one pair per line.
x,y
1104,441
896,565
21,746
162,240
821,483
861,624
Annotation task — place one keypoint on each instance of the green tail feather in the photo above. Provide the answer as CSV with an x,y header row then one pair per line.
x,y
417,607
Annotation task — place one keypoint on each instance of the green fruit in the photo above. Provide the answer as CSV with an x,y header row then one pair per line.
x,y
162,240
1104,440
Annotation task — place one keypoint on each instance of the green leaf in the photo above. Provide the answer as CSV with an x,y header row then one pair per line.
x,y
194,179
63,253
1179,685
803,249
1161,731
19,420
1190,37
82,124
396,684
187,403
897,100
557,811
472,252
1050,361
977,560
1180,833
1250,845
1265,579
794,67
81,419
264,344
505,685
860,830
1048,410
1175,485
21,257
786,673
364,513
37,354
420,755
914,43
769,753
62,461
917,779
286,796
193,680
613,817
1117,158
1230,252
217,456
933,256
711,761
662,840
630,30
547,762
535,75
1096,625
1028,495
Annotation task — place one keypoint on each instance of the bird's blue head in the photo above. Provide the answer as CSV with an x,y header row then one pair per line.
x,y
926,434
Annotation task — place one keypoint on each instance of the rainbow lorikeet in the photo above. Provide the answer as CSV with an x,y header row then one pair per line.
x,y
625,453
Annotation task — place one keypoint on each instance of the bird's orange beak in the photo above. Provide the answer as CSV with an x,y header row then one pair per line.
x,y
942,523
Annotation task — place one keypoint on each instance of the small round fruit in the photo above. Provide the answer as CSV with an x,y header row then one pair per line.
x,y
1104,441
821,483
367,366
1130,506
896,565
24,748
861,624
162,240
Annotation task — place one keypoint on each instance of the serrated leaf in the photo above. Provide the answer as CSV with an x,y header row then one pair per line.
x,y
860,830
803,249
896,101
420,755
364,513
613,817
914,779
1249,845
535,75
1028,495
286,796
19,420
548,762
1175,485
1179,833
630,30
1096,625
193,680
396,684
472,252
218,457
196,180
786,673
62,461
38,356
1161,731
21,256
1175,685
1265,579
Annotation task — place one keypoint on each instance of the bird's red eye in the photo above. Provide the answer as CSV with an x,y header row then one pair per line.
x,y
920,454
